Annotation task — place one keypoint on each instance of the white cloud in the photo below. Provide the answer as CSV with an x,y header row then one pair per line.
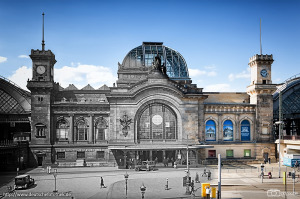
x,y
218,88
197,72
20,76
81,75
3,59
23,56
242,75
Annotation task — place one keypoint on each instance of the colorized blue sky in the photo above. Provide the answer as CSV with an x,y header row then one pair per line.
x,y
89,38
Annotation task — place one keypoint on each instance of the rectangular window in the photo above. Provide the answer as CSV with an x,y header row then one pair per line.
x,y
62,134
80,154
101,134
40,131
61,155
82,133
247,153
100,155
211,153
229,153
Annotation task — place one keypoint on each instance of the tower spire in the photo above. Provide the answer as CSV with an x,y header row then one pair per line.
x,y
43,42
260,39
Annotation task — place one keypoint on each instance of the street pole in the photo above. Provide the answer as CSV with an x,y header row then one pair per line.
x,y
280,122
187,191
55,174
219,176
294,176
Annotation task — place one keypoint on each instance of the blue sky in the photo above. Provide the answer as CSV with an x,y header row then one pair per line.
x,y
89,38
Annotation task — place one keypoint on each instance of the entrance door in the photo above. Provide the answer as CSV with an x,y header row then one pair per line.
x,y
40,161
158,155
266,156
170,155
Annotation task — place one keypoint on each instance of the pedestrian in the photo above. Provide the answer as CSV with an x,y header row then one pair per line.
x,y
207,192
269,160
208,175
296,164
175,165
102,183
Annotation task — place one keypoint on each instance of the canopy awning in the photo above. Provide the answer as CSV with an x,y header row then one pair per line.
x,y
139,147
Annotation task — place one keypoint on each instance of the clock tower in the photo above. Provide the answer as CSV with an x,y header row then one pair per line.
x,y
260,91
43,89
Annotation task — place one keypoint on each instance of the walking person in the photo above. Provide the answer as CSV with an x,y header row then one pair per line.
x,y
102,183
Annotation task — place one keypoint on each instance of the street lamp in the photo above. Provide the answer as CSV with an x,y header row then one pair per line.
x,y
55,174
279,123
126,178
143,190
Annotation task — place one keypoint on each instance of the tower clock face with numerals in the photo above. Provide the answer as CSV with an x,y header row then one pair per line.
x,y
264,73
40,70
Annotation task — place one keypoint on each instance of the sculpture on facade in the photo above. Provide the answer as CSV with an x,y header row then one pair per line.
x,y
157,65
125,123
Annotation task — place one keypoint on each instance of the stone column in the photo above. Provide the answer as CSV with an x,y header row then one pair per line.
x,y
220,129
90,136
237,128
71,129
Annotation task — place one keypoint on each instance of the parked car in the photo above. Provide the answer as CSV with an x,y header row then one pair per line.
x,y
145,166
23,181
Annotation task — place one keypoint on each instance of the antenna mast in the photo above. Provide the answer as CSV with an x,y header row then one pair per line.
x,y
43,42
260,39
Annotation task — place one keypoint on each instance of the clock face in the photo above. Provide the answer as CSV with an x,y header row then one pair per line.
x,y
40,69
264,73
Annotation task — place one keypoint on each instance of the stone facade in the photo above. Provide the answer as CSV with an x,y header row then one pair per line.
x,y
154,112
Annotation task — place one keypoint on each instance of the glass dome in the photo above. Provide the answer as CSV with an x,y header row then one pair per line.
x,y
143,56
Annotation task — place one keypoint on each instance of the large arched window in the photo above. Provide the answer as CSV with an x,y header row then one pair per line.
x,y
82,130
210,131
62,129
245,130
157,122
228,131
101,126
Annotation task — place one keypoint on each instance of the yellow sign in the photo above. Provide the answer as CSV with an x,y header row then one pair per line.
x,y
284,177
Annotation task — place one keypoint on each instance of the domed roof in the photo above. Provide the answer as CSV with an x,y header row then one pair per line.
x,y
143,57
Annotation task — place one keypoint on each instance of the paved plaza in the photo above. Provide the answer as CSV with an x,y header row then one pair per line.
x,y
84,182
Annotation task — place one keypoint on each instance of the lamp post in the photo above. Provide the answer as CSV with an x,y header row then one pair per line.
x,y
143,190
187,191
126,178
279,123
55,174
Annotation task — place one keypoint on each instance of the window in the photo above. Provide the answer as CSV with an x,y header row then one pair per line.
x,y
157,122
228,131
247,153
62,130
61,155
229,153
40,99
100,155
211,153
100,129
82,130
210,131
264,81
245,130
40,130
80,154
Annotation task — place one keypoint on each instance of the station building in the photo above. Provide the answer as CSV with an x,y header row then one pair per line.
x,y
154,111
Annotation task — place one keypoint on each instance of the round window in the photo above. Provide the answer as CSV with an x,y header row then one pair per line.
x,y
157,119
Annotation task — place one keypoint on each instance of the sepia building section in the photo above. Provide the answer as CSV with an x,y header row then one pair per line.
x,y
153,112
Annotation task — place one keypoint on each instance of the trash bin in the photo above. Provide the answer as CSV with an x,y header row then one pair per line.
x,y
203,188
213,192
